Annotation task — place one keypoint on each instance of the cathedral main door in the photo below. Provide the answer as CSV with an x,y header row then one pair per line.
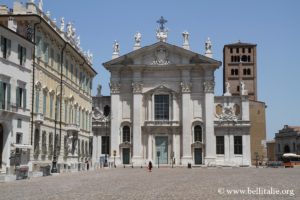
x,y
161,144
126,156
198,156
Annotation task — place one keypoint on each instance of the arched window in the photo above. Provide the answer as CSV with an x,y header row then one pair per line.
x,y
244,58
232,59
249,59
248,71
238,88
198,133
287,149
232,72
236,72
126,134
244,71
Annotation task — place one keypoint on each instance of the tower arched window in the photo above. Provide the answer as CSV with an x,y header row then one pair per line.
x,y
126,134
236,72
248,71
232,72
198,133
244,71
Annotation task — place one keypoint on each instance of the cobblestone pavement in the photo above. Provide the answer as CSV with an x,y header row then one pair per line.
x,y
162,183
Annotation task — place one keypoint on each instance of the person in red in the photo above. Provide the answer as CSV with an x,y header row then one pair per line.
x,y
150,166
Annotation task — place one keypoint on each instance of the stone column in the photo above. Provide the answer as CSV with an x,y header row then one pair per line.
x,y
149,99
186,122
175,116
137,122
115,122
210,138
246,150
150,145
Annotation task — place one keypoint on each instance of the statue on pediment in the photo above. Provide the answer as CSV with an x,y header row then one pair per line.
x,y
62,24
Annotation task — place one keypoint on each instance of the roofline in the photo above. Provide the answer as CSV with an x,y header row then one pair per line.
x,y
45,22
240,44
105,64
17,34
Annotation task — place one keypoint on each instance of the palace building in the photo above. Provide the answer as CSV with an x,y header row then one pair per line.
x,y
59,89
164,109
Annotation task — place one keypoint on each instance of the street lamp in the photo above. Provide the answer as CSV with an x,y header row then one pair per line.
x,y
115,152
106,114
54,162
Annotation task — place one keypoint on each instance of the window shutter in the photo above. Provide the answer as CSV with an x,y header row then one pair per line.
x,y
1,94
24,98
19,52
37,101
8,94
24,55
38,45
17,97
2,43
8,47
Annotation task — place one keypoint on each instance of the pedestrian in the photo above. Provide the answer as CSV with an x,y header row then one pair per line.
x,y
150,166
87,164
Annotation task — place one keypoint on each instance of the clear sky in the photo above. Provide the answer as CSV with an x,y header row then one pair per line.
x,y
273,25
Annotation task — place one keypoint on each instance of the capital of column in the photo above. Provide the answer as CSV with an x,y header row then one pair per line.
x,y
137,87
209,86
114,87
186,86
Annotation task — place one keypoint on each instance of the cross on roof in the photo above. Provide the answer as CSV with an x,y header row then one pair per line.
x,y
162,21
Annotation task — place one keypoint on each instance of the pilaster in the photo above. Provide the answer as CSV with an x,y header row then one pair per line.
x,y
210,138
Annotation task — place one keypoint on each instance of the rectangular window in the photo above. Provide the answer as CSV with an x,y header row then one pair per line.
x,y
37,101
21,54
231,51
20,97
161,107
58,62
19,137
66,112
76,75
5,47
238,145
46,52
51,57
71,71
220,144
19,123
237,50
44,103
38,47
249,50
105,145
67,68
51,106
243,50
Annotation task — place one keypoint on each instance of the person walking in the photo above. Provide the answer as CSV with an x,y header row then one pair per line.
x,y
150,166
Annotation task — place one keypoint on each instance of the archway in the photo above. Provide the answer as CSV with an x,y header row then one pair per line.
x,y
287,149
1,144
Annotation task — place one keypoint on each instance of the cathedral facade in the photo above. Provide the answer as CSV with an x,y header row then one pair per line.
x,y
164,109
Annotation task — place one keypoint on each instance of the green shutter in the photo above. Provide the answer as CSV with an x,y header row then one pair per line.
x,y
24,98
17,97
8,47
1,94
24,55
8,94
2,43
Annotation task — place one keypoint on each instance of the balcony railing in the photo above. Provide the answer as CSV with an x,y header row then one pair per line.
x,y
8,106
73,127
162,123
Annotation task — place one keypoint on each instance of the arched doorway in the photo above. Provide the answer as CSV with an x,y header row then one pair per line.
x,y
287,149
1,144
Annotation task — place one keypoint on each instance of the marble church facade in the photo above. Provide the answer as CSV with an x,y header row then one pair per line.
x,y
164,109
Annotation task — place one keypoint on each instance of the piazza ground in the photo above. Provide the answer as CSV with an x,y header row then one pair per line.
x,y
162,183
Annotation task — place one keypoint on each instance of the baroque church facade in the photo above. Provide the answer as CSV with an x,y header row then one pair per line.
x,y
164,109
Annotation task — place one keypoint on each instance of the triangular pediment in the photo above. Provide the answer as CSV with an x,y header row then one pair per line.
x,y
161,54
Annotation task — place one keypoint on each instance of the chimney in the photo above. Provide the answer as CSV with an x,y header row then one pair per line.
x,y
12,24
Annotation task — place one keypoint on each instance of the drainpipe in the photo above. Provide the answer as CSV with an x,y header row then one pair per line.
x,y
33,78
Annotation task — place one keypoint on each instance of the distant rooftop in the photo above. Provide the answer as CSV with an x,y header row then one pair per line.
x,y
239,43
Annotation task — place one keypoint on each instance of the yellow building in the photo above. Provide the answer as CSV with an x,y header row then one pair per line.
x,y
59,67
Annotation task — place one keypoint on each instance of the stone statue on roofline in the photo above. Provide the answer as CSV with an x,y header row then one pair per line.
x,y
62,24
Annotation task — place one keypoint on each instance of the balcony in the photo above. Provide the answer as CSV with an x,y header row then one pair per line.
x,y
39,118
73,127
7,107
162,123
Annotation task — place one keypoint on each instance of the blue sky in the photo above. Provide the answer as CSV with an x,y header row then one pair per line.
x,y
272,25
